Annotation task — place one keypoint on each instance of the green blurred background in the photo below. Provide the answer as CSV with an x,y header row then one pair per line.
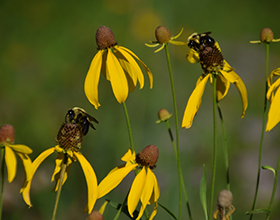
x,y
45,51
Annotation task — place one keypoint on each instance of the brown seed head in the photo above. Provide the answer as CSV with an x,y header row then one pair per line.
x,y
104,38
211,59
225,198
162,34
266,35
163,114
69,136
7,134
95,215
148,156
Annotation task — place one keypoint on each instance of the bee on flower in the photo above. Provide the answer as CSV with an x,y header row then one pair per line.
x,y
69,139
205,50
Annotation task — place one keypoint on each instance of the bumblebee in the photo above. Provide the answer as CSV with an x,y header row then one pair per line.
x,y
198,42
79,116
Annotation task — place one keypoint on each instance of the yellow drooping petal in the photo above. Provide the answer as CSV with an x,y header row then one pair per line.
x,y
152,45
154,212
27,166
91,181
275,72
11,162
117,77
156,190
57,171
239,84
147,192
25,189
136,191
21,148
274,111
194,103
150,75
113,179
131,67
159,49
193,56
92,80
271,90
222,86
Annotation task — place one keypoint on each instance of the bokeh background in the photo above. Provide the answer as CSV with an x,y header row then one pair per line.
x,y
45,51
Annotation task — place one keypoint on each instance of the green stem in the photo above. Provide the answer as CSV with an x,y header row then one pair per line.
x,y
128,126
225,145
215,147
262,134
121,208
3,176
177,149
62,172
274,187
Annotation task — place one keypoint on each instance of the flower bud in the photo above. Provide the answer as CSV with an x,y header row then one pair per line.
x,y
163,115
104,38
69,136
95,215
266,35
163,34
148,156
225,198
7,134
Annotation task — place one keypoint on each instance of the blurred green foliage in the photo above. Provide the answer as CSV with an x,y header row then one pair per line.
x,y
45,51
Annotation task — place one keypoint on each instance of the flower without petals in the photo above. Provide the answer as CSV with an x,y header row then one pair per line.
x,y
117,64
164,37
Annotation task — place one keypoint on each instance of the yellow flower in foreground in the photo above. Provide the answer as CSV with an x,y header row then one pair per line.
x,y
205,50
274,97
69,139
144,187
164,37
117,65
7,142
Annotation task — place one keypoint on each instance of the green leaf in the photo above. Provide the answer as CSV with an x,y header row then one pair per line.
x,y
203,184
167,210
266,167
258,211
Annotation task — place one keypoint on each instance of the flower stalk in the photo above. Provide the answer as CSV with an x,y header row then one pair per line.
x,y
177,148
128,126
215,146
63,168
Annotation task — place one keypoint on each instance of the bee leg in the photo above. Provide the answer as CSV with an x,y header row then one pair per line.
x,y
85,126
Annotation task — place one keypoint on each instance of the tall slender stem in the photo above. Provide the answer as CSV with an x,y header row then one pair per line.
x,y
263,129
225,146
215,147
177,149
3,177
62,172
128,126
274,187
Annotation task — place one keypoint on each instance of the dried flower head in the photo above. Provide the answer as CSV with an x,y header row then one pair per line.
x,y
148,156
7,134
69,137
225,198
105,38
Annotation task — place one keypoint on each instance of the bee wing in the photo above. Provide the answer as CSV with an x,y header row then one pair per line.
x,y
92,118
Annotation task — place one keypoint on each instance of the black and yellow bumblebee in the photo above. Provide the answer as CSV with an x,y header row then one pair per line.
x,y
198,42
79,117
